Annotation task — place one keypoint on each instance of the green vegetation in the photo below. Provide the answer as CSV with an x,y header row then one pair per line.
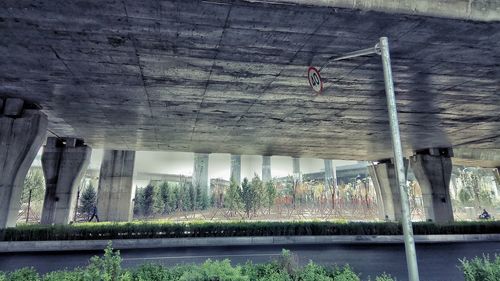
x,y
481,269
108,268
136,230
88,201
167,198
33,195
284,268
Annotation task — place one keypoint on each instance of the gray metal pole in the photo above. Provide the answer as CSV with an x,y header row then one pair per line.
x,y
411,255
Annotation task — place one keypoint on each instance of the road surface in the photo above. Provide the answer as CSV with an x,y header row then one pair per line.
x,y
437,262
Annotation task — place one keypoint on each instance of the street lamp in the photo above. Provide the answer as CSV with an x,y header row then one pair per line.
x,y
382,49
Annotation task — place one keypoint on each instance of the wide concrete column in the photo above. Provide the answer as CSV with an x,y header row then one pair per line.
x,y
115,193
200,171
236,168
266,168
296,169
22,132
386,186
432,168
64,162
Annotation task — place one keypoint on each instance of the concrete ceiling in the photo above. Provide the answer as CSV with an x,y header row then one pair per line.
x,y
229,76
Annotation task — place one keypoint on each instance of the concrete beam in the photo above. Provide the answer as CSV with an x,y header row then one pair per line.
x,y
478,10
433,173
13,107
266,168
20,140
236,168
485,158
64,162
115,193
386,185
200,171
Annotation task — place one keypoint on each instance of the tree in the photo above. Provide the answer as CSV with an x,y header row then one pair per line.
x,y
232,199
88,201
201,198
270,196
192,197
33,189
153,203
248,196
168,198
258,193
183,196
139,201
171,203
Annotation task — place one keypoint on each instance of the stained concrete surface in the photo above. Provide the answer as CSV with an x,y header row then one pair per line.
x,y
229,76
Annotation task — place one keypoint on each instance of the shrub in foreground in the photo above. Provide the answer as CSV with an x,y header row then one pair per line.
x,y
108,268
481,269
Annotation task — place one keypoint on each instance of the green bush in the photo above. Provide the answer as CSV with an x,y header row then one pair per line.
x,y
344,274
385,277
106,231
23,274
481,269
214,270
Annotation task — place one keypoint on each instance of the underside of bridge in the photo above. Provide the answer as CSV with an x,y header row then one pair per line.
x,y
230,76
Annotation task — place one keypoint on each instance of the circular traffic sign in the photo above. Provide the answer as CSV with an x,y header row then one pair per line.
x,y
315,79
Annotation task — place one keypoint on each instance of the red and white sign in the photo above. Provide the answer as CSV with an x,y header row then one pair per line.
x,y
315,79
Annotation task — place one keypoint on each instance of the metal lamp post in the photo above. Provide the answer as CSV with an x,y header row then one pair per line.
x,y
382,49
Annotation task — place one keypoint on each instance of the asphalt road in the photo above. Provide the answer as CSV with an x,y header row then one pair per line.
x,y
437,262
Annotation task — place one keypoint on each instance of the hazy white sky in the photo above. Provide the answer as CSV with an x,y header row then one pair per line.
x,y
169,162
181,163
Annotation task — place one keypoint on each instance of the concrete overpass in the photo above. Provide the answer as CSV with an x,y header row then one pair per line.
x,y
229,76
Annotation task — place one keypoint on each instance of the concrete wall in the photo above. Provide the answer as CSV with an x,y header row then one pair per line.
x,y
22,132
80,245
115,193
64,162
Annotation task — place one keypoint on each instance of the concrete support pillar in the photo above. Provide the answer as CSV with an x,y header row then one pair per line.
x,y
64,162
236,168
200,172
266,168
384,180
378,191
432,168
330,173
22,132
296,169
115,193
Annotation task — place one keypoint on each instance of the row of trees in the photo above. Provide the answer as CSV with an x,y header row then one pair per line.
x,y
287,197
250,196
167,198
